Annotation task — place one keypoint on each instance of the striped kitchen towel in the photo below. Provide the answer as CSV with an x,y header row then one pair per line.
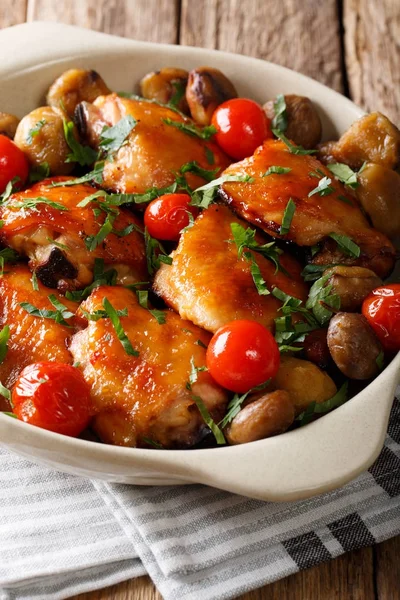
x,y
61,535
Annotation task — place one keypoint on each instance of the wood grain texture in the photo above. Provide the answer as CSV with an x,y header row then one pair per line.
x,y
387,571
303,36
12,12
372,43
151,20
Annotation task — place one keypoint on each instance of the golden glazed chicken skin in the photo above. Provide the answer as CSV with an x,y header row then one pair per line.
x,y
189,268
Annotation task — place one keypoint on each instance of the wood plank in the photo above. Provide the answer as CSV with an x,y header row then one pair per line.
x,y
303,36
12,12
151,20
387,575
372,54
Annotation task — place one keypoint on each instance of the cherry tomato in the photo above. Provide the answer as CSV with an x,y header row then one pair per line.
x,y
382,311
242,126
53,396
13,163
242,355
166,216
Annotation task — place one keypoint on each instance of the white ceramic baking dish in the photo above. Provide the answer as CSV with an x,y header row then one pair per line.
x,y
319,457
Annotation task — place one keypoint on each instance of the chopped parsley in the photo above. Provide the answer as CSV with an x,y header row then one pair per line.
x,y
276,170
33,132
10,188
246,238
95,176
209,155
179,92
380,360
5,392
59,315
203,196
346,244
155,253
196,169
321,300
293,149
194,371
100,277
34,280
344,174
323,188
143,298
280,120
120,333
313,272
40,172
235,404
287,217
152,443
314,408
83,155
112,138
7,255
92,241
4,337
32,203
204,134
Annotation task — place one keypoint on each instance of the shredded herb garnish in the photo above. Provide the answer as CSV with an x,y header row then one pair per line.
x,y
196,169
380,360
143,298
100,277
321,300
40,172
10,188
191,129
112,138
121,335
209,155
276,170
346,244
4,337
323,407
7,255
246,238
34,131
34,280
203,196
95,176
6,393
313,272
83,155
293,149
32,203
287,217
323,188
179,92
151,442
219,436
280,120
344,174
235,405
155,253
59,315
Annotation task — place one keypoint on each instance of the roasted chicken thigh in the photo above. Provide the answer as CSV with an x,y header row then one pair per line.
x,y
46,224
155,149
146,396
263,202
32,338
210,285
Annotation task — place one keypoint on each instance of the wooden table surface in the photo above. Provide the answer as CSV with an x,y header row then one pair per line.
x,y
349,45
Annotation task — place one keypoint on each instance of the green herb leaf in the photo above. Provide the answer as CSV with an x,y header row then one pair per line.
x,y
293,149
380,360
196,169
209,155
95,176
150,442
143,298
112,138
34,131
258,279
219,436
320,300
40,172
4,337
323,407
245,238
201,344
194,373
346,244
9,189
323,188
5,392
179,91
83,155
100,277
121,335
345,200
9,414
287,217
344,174
235,404
313,272
280,120
59,315
155,253
92,241
191,129
34,280
203,196
276,170
32,204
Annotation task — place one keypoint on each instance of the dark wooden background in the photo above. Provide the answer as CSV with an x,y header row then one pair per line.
x,y
352,46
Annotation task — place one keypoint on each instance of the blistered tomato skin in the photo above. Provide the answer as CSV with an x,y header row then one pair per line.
x,y
166,216
382,311
13,163
242,355
242,126
52,396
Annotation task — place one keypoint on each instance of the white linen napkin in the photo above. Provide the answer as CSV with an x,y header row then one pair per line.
x,y
61,535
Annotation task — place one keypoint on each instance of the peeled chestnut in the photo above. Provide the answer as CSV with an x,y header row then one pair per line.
x,y
74,86
303,123
207,88
166,85
352,285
